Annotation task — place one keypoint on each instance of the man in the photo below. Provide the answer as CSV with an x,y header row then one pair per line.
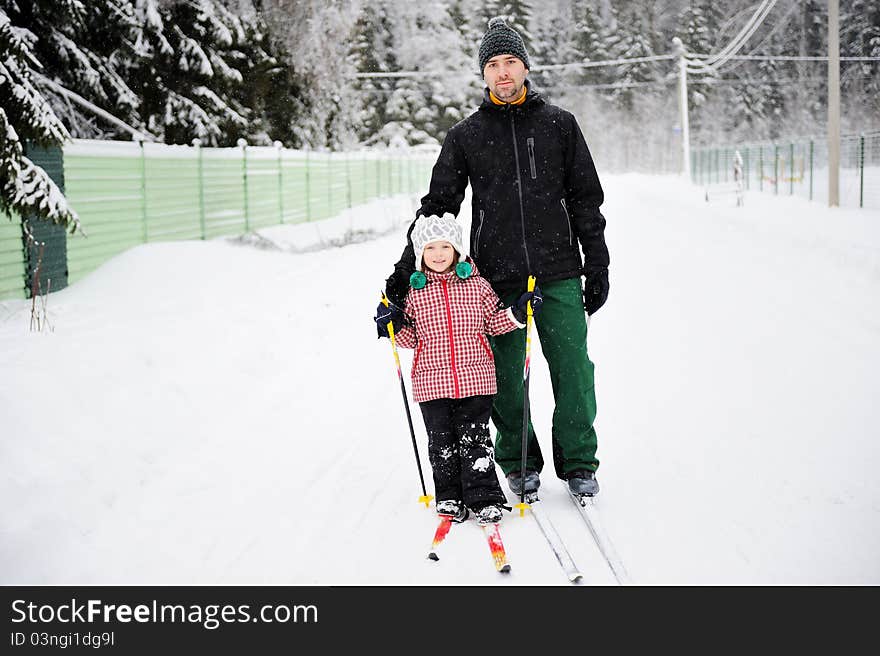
x,y
536,197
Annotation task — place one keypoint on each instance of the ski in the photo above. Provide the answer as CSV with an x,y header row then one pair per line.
x,y
589,513
496,547
440,535
553,540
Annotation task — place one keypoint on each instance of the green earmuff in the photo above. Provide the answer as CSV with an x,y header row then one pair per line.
x,y
464,270
418,280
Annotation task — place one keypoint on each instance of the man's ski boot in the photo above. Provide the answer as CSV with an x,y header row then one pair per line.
x,y
454,509
583,482
533,482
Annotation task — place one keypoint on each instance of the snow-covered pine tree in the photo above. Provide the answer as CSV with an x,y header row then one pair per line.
x,y
699,25
272,90
470,27
754,103
551,44
26,117
590,43
372,51
634,78
805,98
516,13
77,43
316,36
421,109
186,63
860,81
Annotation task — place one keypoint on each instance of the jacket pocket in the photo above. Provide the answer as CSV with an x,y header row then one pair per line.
x,y
530,142
415,363
486,346
567,221
475,246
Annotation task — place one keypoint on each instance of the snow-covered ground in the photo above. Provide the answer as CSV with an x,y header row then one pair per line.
x,y
222,412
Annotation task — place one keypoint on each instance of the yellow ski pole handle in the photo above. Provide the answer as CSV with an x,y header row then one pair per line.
x,y
530,287
391,336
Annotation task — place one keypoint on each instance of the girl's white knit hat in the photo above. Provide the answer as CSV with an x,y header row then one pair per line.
x,y
436,228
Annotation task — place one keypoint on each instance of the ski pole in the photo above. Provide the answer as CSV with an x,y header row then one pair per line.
x,y
522,505
425,498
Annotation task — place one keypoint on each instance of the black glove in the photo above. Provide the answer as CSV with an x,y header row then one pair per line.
x,y
519,308
595,290
384,315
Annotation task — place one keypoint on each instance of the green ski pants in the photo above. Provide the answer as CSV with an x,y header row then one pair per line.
x,y
562,329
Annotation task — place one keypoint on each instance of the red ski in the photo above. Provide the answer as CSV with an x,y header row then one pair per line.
x,y
440,535
496,547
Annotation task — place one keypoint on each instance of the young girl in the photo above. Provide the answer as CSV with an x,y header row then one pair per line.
x,y
449,311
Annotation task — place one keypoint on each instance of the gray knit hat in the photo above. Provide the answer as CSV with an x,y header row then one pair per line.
x,y
501,39
437,228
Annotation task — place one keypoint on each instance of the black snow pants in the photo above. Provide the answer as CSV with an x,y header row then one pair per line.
x,y
460,450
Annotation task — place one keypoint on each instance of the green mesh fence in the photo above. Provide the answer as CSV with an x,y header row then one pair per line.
x,y
797,167
128,194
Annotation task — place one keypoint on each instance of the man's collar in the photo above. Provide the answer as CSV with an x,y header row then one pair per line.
x,y
529,97
519,101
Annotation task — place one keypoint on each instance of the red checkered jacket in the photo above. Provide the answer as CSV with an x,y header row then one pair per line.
x,y
450,319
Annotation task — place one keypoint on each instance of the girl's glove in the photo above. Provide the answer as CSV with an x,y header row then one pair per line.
x,y
386,314
519,308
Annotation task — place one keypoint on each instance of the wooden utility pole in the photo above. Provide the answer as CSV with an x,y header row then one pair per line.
x,y
678,48
833,103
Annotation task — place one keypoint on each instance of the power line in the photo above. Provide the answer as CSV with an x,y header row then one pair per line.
x,y
744,34
609,62
792,58
780,24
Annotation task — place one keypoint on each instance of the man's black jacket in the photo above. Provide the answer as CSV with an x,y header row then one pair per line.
x,y
536,195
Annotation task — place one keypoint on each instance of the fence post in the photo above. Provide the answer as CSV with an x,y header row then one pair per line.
x,y
308,190
791,169
280,183
143,190
862,170
247,220
329,183
362,176
348,178
775,169
811,169
746,171
198,145
761,168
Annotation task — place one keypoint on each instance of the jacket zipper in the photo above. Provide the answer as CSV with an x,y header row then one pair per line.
x,y
476,247
522,214
451,338
567,220
530,142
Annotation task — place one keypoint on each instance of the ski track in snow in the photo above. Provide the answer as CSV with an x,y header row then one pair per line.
x,y
215,412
